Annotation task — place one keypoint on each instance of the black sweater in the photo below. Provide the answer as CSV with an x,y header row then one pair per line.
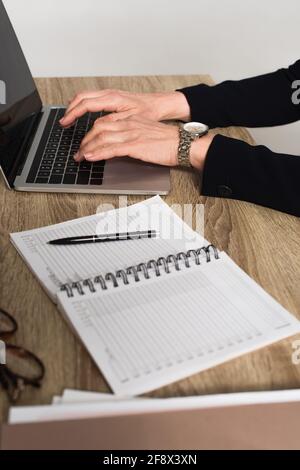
x,y
234,169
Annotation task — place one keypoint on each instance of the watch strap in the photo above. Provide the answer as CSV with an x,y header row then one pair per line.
x,y
184,148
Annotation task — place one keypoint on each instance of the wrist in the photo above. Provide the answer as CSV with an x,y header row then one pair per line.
x,y
174,106
199,150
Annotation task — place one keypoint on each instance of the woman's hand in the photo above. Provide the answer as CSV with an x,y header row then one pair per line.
x,y
142,139
122,105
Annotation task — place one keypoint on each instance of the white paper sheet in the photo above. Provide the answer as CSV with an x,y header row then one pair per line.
x,y
31,414
56,400
78,396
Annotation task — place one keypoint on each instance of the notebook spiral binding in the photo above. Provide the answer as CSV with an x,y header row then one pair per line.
x,y
143,269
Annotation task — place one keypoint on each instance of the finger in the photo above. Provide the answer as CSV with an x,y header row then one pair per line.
x,y
89,94
113,150
103,139
102,126
108,102
86,105
79,97
78,158
113,117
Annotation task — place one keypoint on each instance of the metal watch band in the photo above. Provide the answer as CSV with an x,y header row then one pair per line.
x,y
184,147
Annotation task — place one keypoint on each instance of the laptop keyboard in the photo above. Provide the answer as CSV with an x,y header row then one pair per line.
x,y
54,162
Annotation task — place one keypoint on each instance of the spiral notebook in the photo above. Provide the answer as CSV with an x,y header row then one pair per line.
x,y
152,311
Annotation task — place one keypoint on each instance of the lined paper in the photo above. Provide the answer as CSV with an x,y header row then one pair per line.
x,y
155,332
57,265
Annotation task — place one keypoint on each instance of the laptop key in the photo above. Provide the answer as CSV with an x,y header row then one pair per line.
x,y
59,164
64,153
97,181
49,156
83,177
71,169
97,170
69,178
60,112
85,166
44,174
45,167
65,144
41,180
56,179
58,171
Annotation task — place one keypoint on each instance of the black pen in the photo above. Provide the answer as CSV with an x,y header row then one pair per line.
x,y
104,238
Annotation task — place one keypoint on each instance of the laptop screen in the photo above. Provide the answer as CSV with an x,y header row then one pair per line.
x,y
19,98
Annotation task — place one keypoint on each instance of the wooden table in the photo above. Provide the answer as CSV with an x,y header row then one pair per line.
x,y
265,243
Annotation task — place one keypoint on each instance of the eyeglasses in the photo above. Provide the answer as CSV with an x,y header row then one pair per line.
x,y
22,367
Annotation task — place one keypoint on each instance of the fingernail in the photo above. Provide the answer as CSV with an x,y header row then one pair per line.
x,y
62,119
76,156
87,156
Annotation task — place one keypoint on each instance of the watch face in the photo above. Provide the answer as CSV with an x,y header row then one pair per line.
x,y
196,128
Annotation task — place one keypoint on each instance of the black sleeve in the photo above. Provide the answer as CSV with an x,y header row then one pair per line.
x,y
260,101
237,170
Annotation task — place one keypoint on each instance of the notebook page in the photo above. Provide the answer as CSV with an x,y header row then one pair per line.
x,y
56,400
77,396
164,329
205,401
57,265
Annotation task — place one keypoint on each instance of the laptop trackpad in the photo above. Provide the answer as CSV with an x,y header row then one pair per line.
x,y
133,174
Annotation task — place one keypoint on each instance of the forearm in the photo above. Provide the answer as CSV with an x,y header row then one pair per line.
x,y
234,169
260,101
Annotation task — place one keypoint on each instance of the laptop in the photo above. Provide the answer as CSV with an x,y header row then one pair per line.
x,y
36,153
256,426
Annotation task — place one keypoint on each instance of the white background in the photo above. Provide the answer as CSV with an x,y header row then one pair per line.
x,y
226,38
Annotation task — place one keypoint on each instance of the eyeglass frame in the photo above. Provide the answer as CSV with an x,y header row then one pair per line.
x,y
12,382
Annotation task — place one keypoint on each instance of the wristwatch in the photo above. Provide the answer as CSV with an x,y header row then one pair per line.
x,y
187,134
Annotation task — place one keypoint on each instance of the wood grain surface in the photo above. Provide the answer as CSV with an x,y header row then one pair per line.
x,y
263,242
